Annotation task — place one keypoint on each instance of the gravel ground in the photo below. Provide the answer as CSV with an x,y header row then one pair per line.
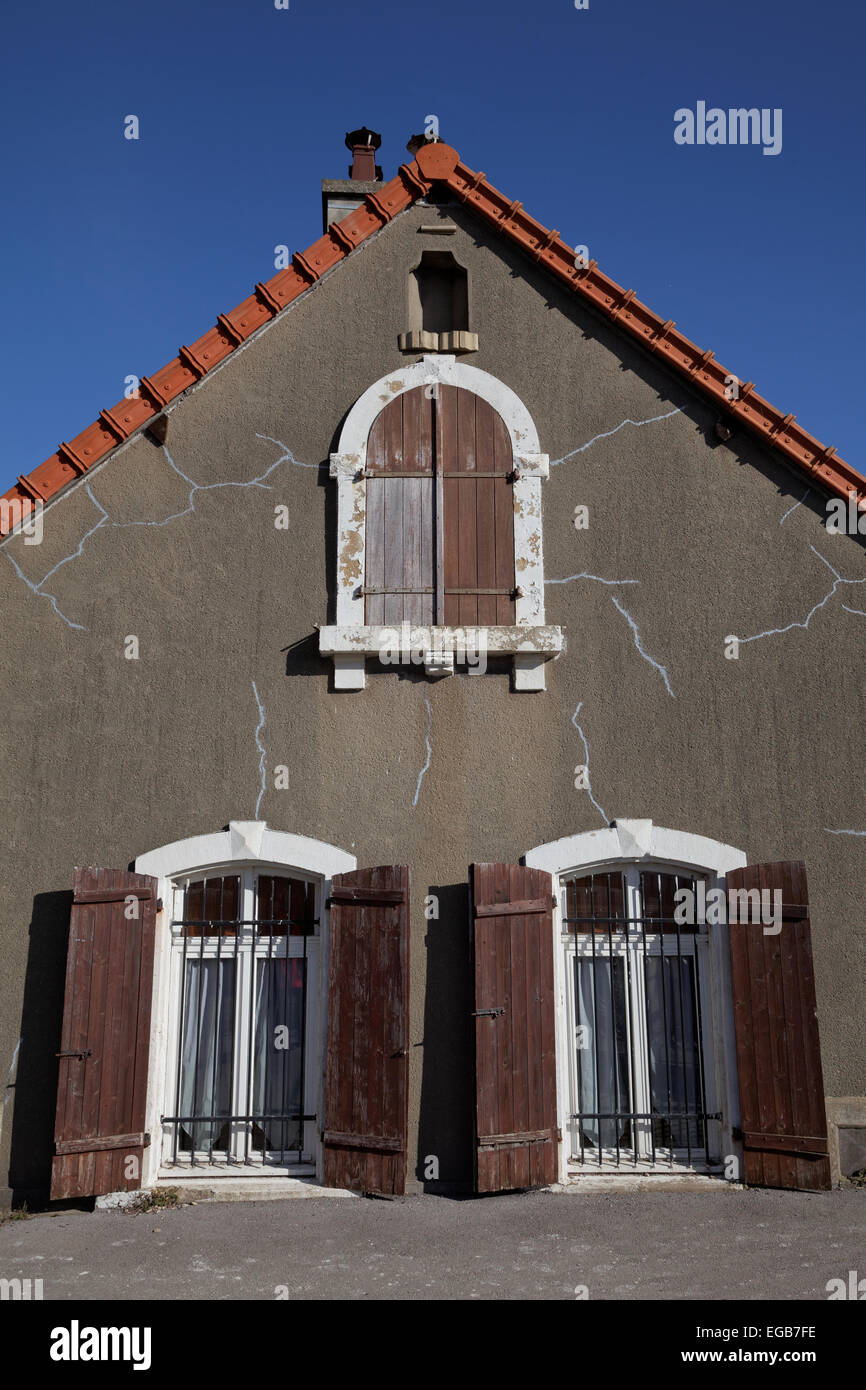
x,y
753,1245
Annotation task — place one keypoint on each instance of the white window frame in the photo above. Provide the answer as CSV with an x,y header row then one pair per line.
x,y
247,848
630,846
630,944
530,640
249,950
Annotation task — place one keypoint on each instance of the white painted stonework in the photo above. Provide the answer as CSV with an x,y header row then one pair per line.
x,y
541,640
635,840
530,641
245,840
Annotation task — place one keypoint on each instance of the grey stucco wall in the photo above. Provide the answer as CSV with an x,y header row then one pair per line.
x,y
105,758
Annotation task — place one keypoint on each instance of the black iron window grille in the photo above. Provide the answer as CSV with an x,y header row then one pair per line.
x,y
639,1081
241,1022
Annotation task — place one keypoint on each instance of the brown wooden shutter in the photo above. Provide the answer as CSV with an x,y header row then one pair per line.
x,y
783,1115
399,580
102,1083
515,1059
440,512
474,452
366,1134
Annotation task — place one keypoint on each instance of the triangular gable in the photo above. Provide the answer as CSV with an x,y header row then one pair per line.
x,y
435,163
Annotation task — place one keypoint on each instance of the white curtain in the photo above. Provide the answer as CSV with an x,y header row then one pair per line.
x,y
277,1051
206,1082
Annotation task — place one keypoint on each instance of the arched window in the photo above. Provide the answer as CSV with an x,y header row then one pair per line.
x,y
645,1038
244,951
637,990
439,545
440,512
236,1068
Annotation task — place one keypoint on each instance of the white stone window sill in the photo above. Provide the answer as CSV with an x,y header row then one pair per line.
x,y
439,649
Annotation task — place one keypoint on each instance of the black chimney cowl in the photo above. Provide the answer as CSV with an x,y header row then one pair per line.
x,y
363,143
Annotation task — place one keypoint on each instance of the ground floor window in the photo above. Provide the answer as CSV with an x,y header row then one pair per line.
x,y
244,946
641,1086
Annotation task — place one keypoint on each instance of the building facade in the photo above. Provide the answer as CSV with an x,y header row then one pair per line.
x,y
429,756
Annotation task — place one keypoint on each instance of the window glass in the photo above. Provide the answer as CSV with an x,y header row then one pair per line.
x,y
240,1006
637,1070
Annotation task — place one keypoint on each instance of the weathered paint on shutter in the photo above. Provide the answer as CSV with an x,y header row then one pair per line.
x,y
366,1135
783,1114
478,510
399,520
515,1060
440,514
102,1081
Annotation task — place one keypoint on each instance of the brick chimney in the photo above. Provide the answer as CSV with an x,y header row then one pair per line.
x,y
342,196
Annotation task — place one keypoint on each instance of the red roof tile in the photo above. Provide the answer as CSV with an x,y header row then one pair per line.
x,y
436,163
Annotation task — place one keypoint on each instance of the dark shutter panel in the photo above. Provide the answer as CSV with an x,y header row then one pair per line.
x,y
783,1115
515,1059
367,1094
102,1082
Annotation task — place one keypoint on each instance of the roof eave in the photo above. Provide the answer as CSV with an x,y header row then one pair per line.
x,y
434,163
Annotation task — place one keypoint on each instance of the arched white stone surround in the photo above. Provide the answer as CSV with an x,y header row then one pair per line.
x,y
446,369
635,840
530,641
243,843
638,842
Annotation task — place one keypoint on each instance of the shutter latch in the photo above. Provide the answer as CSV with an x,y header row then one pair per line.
x,y
487,1013
71,1052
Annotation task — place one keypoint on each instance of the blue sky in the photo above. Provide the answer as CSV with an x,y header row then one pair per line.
x,y
115,252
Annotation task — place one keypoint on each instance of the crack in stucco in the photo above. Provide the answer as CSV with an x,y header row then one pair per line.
x,y
646,656
796,505
779,631
585,575
37,588
588,787
287,453
10,1084
429,751
843,832
261,748
105,519
638,424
